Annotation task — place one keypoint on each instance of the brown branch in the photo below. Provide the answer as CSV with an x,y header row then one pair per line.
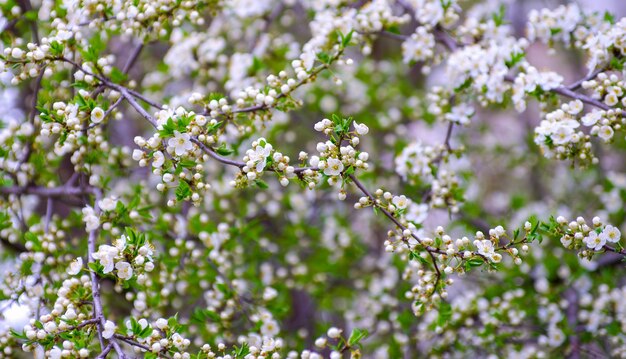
x,y
429,249
60,191
98,312
105,352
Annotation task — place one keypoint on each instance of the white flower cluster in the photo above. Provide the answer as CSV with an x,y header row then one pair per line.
x,y
260,157
35,58
414,162
531,81
558,24
485,246
441,104
161,338
73,122
436,12
579,235
552,315
144,18
602,310
483,67
605,44
557,134
334,159
420,46
64,316
173,153
471,313
126,259
91,219
376,16
425,165
610,90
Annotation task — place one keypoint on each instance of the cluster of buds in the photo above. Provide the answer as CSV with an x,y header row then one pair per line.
x,y
161,336
176,152
66,316
335,159
588,240
260,157
131,255
558,137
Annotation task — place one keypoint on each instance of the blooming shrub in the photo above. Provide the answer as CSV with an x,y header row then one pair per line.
x,y
308,179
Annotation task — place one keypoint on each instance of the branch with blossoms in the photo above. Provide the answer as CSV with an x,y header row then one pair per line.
x,y
226,259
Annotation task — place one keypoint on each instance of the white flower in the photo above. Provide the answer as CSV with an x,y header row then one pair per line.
x,y
109,329
70,314
76,266
566,241
137,154
180,142
158,159
460,114
92,222
97,115
334,333
593,240
178,341
55,353
333,167
161,323
107,204
414,161
611,234
361,128
401,202
259,155
605,133
485,248
419,46
106,255
120,243
124,270
417,213
269,328
269,344
562,135
591,118
308,59
555,336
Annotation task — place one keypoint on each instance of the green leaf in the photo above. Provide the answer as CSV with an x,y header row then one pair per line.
x,y
555,30
117,75
515,59
345,41
498,17
257,66
261,184
18,335
223,150
445,313
187,163
214,127
222,287
475,262
356,336
173,321
323,57
241,352
617,64
183,190
56,49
